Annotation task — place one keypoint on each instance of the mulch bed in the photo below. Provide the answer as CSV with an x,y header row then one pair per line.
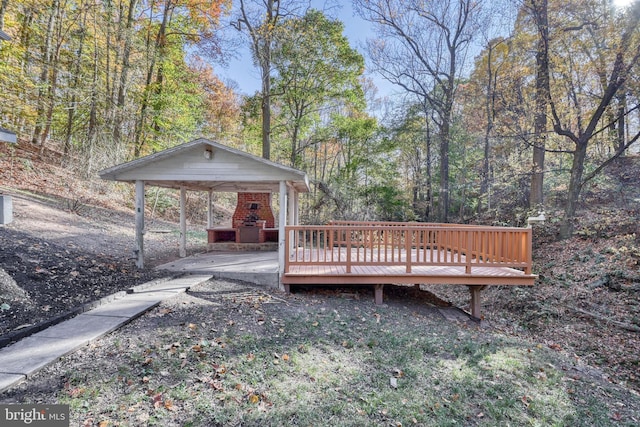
x,y
55,282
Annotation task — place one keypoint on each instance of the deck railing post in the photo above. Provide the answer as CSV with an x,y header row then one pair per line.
x,y
529,249
408,236
469,251
287,249
331,231
348,238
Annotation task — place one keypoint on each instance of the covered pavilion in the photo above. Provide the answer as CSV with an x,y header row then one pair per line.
x,y
205,165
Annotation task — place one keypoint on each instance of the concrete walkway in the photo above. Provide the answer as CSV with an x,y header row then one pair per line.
x,y
259,267
22,359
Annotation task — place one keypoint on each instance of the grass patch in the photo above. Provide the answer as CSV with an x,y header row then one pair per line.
x,y
252,360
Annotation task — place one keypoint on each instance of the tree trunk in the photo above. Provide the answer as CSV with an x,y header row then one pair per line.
x,y
124,74
3,8
160,39
575,186
429,175
44,73
489,111
92,131
74,86
266,109
621,134
536,197
443,199
261,38
265,63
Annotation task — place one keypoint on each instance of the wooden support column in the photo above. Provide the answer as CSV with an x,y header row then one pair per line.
x,y
210,213
183,222
476,304
139,251
378,293
291,216
282,222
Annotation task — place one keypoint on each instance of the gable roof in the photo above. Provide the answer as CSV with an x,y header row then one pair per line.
x,y
7,136
205,165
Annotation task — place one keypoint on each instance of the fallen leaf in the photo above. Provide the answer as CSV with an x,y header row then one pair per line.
x,y
253,398
285,357
157,400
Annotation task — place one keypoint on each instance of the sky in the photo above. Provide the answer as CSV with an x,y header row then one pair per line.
x,y
247,76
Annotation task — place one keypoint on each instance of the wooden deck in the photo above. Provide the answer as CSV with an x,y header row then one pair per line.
x,y
354,253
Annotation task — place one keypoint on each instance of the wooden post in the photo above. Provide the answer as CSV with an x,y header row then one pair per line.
x,y
468,252
378,293
139,252
408,237
210,212
183,222
476,303
292,200
282,222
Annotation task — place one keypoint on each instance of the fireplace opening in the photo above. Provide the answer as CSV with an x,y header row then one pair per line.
x,y
252,218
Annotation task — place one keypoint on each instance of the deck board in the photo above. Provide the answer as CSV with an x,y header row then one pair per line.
x,y
321,267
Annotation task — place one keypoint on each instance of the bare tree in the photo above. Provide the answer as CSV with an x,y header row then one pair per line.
x,y
422,48
589,108
538,9
260,20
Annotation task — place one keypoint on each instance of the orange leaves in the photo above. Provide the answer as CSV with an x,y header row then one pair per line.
x,y
158,400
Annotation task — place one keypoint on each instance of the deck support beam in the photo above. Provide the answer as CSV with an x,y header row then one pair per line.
x,y
476,304
378,293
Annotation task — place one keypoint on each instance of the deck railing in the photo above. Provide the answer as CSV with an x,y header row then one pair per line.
x,y
352,244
